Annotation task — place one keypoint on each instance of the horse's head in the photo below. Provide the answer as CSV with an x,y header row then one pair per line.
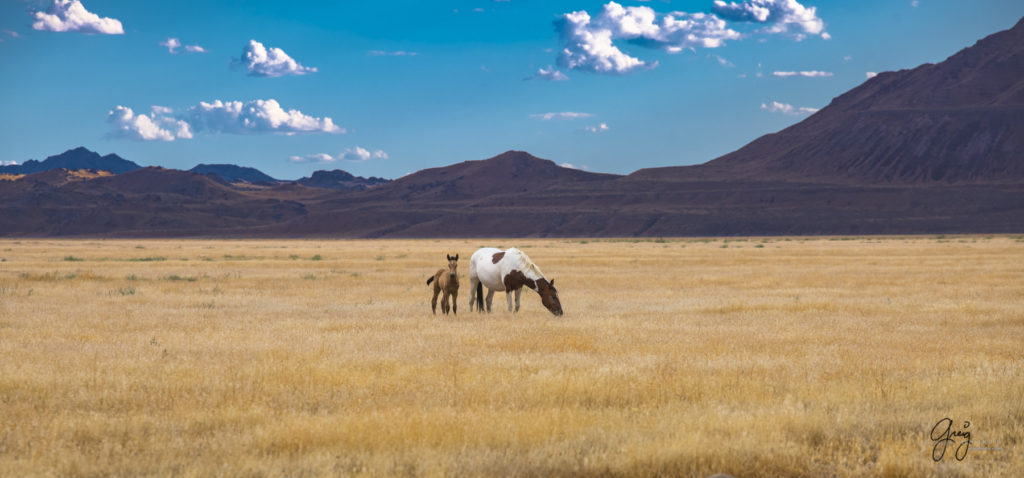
x,y
453,265
549,296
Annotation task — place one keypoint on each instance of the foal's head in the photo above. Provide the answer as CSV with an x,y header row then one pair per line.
x,y
453,265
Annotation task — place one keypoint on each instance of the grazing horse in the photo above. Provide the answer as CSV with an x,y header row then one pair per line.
x,y
509,271
447,281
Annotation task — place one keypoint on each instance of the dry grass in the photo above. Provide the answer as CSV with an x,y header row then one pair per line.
x,y
755,357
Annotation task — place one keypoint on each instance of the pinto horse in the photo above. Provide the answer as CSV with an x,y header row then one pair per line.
x,y
509,271
447,281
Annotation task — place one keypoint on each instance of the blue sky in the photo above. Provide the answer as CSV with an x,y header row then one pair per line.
x,y
388,88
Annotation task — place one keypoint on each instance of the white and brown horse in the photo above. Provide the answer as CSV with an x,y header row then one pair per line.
x,y
510,271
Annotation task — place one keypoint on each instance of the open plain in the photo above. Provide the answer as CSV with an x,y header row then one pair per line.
x,y
826,356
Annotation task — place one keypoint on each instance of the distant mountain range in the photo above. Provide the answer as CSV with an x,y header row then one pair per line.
x,y
935,149
72,159
81,159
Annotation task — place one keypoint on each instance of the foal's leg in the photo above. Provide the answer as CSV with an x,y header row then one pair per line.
x,y
433,302
444,303
490,298
518,293
455,302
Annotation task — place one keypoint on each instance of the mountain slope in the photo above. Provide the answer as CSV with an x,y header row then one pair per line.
x,y
74,159
338,179
232,174
958,121
512,172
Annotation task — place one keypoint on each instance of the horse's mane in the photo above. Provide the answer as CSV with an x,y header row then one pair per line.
x,y
528,262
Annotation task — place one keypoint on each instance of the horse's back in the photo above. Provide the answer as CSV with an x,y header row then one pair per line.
x,y
484,267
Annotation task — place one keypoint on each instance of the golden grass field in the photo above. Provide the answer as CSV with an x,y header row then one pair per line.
x,y
677,357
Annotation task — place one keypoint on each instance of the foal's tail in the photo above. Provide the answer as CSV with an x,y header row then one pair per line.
x,y
480,296
431,279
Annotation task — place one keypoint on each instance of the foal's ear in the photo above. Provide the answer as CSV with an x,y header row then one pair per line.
x,y
552,283
448,256
456,256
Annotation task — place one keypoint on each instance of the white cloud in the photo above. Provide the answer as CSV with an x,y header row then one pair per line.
x,y
360,154
561,115
573,166
914,3
597,129
391,53
256,116
172,45
71,16
870,74
779,15
808,74
232,117
847,58
549,74
590,48
784,108
273,62
588,42
721,61
356,154
9,163
146,128
12,33
312,158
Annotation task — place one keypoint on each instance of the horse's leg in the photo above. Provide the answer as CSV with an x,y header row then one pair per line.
x,y
455,302
444,303
518,293
472,291
508,298
490,298
433,302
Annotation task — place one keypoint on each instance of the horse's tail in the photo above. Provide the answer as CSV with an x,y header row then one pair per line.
x,y
431,279
480,296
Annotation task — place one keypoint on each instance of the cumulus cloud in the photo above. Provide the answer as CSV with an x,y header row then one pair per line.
x,y
256,116
549,74
71,16
273,62
597,129
779,16
870,74
141,127
560,115
589,43
9,163
784,108
808,74
356,154
231,117
172,45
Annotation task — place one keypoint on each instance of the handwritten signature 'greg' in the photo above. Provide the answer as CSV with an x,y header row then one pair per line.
x,y
943,434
